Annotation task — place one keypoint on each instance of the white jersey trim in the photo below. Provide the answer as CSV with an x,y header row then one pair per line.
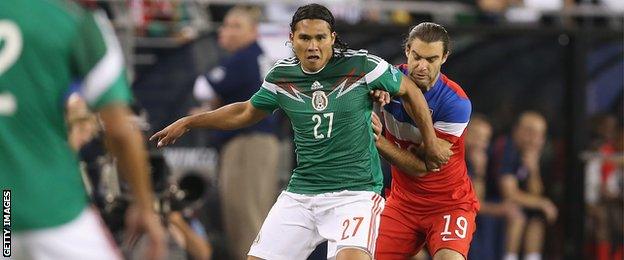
x,y
108,68
270,87
401,130
379,70
455,129
275,88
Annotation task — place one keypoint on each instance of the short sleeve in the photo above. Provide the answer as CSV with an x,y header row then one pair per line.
x,y
266,97
453,120
97,59
381,75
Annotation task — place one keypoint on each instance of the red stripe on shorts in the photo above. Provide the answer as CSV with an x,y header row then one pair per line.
x,y
374,210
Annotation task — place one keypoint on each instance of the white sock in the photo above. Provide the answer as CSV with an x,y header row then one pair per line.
x,y
533,256
511,256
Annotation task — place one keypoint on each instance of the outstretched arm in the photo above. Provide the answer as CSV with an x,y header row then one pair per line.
x,y
416,106
230,117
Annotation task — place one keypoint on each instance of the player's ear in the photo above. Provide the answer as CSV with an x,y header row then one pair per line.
x,y
333,37
291,36
407,49
444,57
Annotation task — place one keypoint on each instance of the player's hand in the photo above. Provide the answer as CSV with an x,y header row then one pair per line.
x,y
510,210
419,151
550,211
171,133
139,221
436,154
380,96
531,159
377,126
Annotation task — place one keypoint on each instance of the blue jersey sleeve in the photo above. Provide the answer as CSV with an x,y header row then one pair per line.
x,y
452,119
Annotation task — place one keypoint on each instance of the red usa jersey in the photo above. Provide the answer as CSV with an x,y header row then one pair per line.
x,y
449,188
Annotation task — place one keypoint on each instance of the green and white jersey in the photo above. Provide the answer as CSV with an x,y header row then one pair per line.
x,y
44,46
330,112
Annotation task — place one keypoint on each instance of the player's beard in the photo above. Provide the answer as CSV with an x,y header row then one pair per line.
x,y
422,84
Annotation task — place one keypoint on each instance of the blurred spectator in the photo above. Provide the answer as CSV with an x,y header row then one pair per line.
x,y
158,18
248,157
485,242
184,234
81,122
518,168
603,189
603,131
495,6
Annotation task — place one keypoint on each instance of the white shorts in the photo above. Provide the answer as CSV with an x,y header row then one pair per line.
x,y
83,238
298,223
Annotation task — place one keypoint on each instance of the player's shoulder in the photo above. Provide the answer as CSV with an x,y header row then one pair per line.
x,y
351,53
285,64
360,54
362,59
403,68
282,67
453,87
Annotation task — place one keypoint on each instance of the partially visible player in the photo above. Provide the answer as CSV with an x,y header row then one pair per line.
x,y
333,194
427,203
46,44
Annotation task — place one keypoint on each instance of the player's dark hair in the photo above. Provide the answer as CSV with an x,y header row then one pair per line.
x,y
429,32
317,11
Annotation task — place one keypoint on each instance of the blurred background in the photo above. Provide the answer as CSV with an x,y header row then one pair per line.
x,y
561,59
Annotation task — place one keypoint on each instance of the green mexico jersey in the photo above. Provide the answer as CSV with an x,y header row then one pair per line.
x,y
330,112
45,45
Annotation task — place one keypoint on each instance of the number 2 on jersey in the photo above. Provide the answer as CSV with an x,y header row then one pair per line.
x,y
319,120
10,44
10,50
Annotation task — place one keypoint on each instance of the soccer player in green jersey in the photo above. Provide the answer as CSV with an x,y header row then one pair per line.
x,y
44,46
333,193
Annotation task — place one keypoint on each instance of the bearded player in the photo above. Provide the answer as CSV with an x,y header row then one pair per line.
x,y
428,204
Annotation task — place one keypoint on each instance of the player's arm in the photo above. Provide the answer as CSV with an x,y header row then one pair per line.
x,y
229,117
416,106
97,59
125,142
511,192
196,246
402,159
409,161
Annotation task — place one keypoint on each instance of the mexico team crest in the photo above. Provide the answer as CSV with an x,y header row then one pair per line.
x,y
319,100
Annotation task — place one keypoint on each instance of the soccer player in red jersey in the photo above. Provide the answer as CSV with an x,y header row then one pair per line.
x,y
428,203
